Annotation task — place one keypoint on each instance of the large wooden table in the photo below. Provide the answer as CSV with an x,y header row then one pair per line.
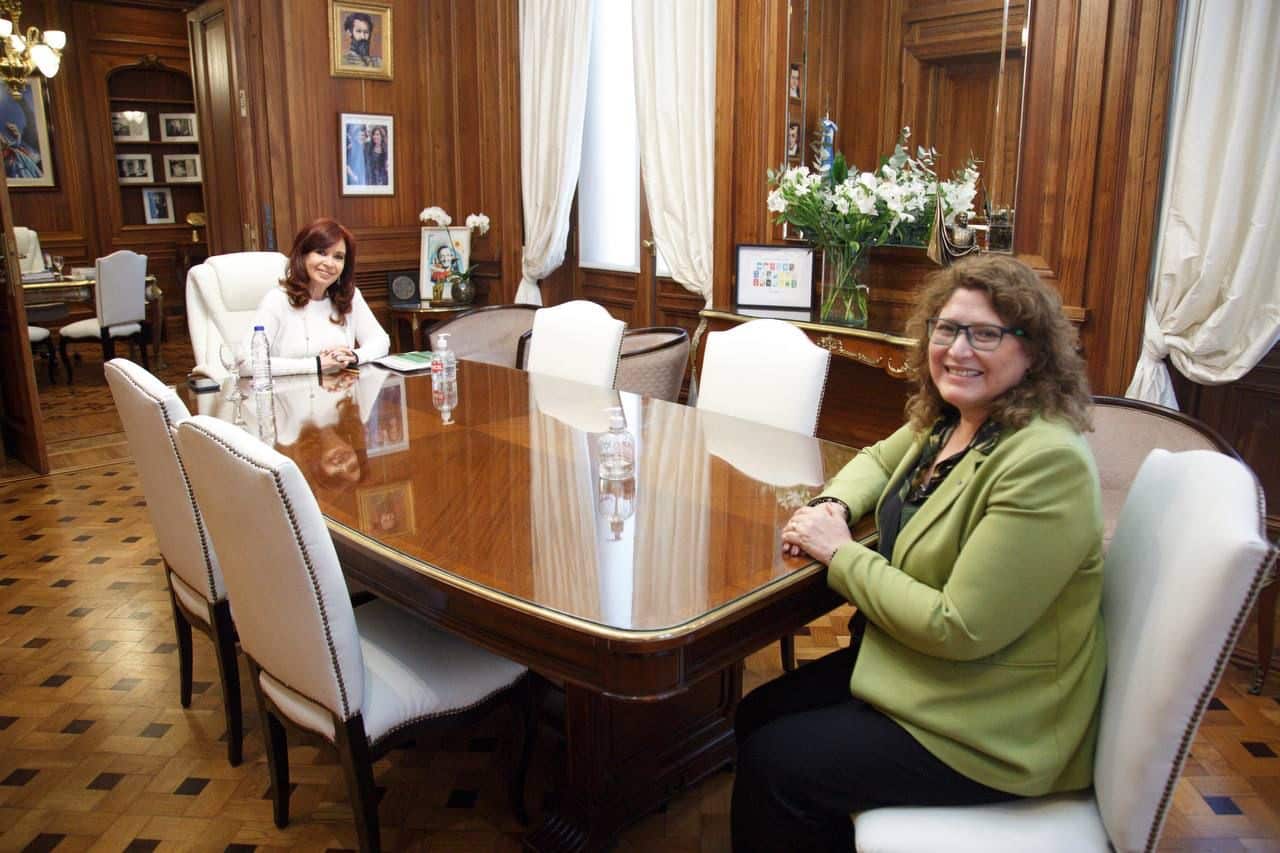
x,y
641,597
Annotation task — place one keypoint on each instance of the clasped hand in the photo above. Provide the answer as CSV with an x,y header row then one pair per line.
x,y
336,358
817,531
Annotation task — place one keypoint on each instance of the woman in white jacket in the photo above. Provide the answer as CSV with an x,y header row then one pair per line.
x,y
316,320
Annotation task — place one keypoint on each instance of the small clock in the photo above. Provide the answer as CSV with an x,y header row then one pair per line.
x,y
404,288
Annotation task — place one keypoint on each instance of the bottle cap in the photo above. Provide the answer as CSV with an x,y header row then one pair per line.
x,y
443,338
259,328
616,418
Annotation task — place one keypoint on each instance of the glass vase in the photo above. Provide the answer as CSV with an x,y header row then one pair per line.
x,y
842,293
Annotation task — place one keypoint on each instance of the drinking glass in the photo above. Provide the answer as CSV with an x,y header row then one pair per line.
x,y
231,362
58,261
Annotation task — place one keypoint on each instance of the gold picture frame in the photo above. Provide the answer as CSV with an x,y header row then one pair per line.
x,y
387,510
360,39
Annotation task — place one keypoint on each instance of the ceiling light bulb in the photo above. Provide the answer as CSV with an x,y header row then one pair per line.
x,y
6,28
56,39
45,59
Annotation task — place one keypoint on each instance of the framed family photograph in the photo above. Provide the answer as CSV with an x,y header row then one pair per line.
x,y
130,126
774,277
368,164
360,40
24,138
446,252
157,206
178,127
182,168
387,510
387,430
134,169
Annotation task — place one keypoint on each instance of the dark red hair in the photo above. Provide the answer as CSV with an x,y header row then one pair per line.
x,y
321,234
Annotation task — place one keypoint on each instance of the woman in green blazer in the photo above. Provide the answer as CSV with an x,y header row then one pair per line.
x,y
976,659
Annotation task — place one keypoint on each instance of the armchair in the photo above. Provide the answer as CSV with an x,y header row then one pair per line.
x,y
222,295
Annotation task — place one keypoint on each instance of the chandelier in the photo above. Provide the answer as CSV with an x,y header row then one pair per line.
x,y
24,55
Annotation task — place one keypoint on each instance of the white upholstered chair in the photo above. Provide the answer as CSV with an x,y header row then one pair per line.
x,y
1182,572
222,296
577,340
767,371
40,338
121,297
653,361
490,334
30,256
151,412
364,679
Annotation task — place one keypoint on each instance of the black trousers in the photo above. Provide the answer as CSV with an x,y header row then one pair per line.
x,y
809,754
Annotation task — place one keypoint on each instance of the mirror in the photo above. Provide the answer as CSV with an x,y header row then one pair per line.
x,y
954,73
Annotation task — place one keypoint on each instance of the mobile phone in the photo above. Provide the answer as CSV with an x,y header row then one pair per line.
x,y
202,384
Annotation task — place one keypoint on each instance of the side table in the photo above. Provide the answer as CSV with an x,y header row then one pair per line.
x,y
421,316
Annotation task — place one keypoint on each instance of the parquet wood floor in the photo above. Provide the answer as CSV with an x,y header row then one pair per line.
x,y
97,754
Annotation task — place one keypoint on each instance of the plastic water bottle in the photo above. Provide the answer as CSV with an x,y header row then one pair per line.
x,y
265,411
617,449
260,357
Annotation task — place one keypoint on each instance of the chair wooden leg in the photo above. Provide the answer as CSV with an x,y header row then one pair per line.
x,y
357,766
66,359
224,641
182,627
787,645
53,360
142,347
1266,634
277,746
528,702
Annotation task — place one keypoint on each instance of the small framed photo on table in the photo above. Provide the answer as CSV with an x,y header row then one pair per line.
x,y
157,206
774,277
445,253
367,152
178,127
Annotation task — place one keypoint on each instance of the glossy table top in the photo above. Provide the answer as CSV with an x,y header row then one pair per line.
x,y
499,493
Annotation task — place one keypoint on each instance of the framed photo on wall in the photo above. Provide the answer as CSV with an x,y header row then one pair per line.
x,y
130,126
360,40
24,138
774,277
157,206
182,168
134,169
367,144
178,127
445,252
795,81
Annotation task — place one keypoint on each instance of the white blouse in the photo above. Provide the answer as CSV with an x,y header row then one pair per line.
x,y
297,335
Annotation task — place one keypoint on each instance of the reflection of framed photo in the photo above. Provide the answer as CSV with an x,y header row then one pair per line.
x,y
134,169
368,161
387,430
130,126
795,81
774,277
182,168
178,127
445,252
386,510
793,139
157,205
24,138
360,40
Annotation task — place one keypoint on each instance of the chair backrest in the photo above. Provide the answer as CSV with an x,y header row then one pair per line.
x,y
766,371
577,340
490,334
122,288
1125,431
28,242
222,296
151,413
291,605
1179,580
653,361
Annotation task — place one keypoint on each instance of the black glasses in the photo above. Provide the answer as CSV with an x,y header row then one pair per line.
x,y
982,336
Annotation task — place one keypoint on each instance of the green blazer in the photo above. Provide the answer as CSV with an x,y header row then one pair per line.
x,y
984,635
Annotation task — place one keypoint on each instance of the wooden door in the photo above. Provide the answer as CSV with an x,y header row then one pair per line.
x,y
20,421
226,144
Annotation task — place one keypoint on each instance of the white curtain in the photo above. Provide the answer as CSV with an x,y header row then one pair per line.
x,y
555,40
675,55
1214,305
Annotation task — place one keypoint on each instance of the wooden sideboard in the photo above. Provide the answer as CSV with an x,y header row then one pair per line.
x,y
867,384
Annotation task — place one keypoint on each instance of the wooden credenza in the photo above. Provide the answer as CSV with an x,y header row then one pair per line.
x,y
867,385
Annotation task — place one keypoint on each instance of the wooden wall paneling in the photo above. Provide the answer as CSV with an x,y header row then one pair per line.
x,y
211,34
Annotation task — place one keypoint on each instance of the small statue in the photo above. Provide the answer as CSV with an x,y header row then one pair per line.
x,y
960,233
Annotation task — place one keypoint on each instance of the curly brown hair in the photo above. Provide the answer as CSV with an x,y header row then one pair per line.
x,y
321,234
1055,385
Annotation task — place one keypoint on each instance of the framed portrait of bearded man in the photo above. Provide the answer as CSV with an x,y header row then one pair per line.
x,y
360,40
